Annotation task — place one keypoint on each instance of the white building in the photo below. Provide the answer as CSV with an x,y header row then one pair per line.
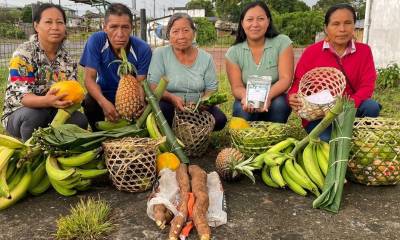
x,y
191,12
382,30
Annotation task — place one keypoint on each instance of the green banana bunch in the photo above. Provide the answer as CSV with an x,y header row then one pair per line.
x,y
311,165
19,190
5,155
321,151
292,183
266,177
41,187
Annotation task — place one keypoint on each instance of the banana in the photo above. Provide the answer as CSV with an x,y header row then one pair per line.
x,y
5,155
267,178
55,172
311,166
83,185
258,161
10,142
272,161
277,176
18,191
61,189
106,125
41,187
69,182
295,175
292,184
279,147
4,189
154,132
321,158
11,168
314,188
16,177
90,165
325,149
37,174
79,159
91,173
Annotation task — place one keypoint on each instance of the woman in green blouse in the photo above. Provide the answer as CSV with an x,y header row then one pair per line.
x,y
189,70
260,50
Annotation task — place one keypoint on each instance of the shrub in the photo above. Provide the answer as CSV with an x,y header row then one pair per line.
x,y
389,77
206,33
8,30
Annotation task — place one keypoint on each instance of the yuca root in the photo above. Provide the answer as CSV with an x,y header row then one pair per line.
x,y
199,189
179,220
160,215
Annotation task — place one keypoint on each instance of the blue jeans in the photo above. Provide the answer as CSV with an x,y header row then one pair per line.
x,y
368,108
279,111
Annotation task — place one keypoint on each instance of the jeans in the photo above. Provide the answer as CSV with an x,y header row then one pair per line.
x,y
368,108
24,121
279,111
168,111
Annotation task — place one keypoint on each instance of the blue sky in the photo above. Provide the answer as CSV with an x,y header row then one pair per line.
x,y
148,4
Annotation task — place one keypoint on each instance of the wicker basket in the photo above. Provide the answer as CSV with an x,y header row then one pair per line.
x,y
194,130
131,163
375,152
260,136
314,81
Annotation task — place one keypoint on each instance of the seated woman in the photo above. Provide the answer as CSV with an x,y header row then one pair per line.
x,y
260,50
189,70
34,67
339,50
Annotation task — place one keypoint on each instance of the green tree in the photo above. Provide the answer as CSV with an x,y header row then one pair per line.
x,y
323,5
26,14
230,9
285,6
206,33
302,27
202,4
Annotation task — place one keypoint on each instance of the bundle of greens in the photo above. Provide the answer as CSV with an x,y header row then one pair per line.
x,y
214,99
69,138
340,144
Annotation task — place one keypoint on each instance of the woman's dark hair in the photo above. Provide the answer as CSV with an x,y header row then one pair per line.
x,y
339,6
271,31
118,9
37,15
176,17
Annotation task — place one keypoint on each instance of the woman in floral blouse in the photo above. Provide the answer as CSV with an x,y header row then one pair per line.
x,y
34,67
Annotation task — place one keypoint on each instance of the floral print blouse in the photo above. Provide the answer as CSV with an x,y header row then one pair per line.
x,y
30,71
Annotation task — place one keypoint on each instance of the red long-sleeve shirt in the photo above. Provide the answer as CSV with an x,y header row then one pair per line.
x,y
359,67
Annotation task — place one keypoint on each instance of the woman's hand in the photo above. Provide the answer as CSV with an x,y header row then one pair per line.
x,y
266,105
295,102
177,102
109,110
56,101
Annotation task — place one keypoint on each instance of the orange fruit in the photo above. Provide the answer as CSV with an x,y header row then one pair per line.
x,y
238,123
72,88
167,160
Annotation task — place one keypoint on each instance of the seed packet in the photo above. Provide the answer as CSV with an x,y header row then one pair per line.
x,y
257,90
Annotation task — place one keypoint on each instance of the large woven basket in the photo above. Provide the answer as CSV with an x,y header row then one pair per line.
x,y
375,151
194,130
260,136
131,163
315,81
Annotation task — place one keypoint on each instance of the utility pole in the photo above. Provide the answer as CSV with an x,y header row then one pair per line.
x,y
154,8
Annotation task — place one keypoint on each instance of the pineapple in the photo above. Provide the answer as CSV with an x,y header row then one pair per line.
x,y
225,163
129,99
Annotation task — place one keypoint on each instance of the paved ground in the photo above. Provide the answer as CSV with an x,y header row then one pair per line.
x,y
254,212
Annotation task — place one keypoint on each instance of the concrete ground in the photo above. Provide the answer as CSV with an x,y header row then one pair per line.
x,y
254,212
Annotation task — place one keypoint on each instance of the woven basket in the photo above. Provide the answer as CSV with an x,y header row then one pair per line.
x,y
375,151
260,136
314,81
194,130
131,163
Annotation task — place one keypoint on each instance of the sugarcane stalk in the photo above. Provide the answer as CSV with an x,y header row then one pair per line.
x,y
325,122
162,122
158,92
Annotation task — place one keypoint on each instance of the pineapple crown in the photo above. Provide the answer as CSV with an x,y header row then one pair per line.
x,y
125,66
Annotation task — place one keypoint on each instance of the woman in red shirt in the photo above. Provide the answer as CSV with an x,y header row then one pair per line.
x,y
339,50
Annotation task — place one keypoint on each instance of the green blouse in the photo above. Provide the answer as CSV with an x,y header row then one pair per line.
x,y
241,55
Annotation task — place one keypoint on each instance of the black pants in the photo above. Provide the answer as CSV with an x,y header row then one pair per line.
x,y
93,111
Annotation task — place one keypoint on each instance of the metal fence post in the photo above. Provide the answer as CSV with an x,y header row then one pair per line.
x,y
143,24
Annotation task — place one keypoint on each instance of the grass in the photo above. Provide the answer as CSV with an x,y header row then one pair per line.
x,y
89,219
